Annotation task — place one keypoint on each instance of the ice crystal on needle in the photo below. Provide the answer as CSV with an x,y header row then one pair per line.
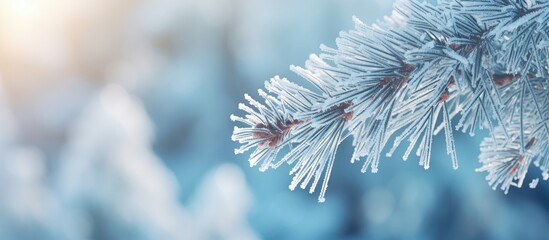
x,y
427,69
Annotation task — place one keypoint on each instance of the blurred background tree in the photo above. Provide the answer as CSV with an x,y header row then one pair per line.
x,y
180,68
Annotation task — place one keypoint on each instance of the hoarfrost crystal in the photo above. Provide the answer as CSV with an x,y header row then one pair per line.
x,y
464,64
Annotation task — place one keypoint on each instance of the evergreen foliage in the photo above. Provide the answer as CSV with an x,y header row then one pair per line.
x,y
427,69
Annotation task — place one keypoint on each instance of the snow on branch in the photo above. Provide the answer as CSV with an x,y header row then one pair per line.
x,y
463,64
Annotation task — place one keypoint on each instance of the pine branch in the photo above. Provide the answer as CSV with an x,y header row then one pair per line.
x,y
406,79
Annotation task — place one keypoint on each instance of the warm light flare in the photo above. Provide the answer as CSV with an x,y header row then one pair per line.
x,y
22,13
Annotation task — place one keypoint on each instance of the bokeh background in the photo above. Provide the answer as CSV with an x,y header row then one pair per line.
x,y
114,124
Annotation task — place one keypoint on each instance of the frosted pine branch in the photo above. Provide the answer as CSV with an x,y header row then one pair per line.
x,y
464,64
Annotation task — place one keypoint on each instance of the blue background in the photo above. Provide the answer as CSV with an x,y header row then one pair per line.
x,y
115,125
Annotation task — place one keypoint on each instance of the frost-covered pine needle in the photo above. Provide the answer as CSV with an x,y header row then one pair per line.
x,y
426,69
